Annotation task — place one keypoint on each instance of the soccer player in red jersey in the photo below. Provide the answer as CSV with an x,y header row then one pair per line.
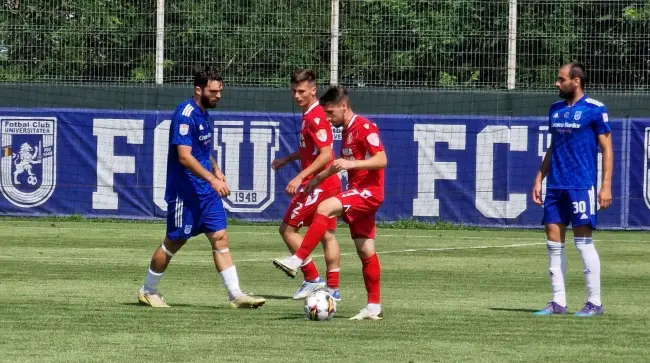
x,y
315,154
363,156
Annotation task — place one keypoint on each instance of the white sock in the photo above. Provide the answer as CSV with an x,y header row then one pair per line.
x,y
151,281
374,308
591,263
231,282
557,270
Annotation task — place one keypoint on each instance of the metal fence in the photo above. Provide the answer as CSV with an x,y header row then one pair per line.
x,y
448,44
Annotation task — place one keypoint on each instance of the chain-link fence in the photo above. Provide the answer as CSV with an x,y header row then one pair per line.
x,y
381,43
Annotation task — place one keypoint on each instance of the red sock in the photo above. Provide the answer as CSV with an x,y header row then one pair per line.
x,y
371,274
309,271
333,279
314,234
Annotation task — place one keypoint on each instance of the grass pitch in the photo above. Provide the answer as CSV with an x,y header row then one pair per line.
x,y
68,293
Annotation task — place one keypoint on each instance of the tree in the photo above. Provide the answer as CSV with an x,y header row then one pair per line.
x,y
383,43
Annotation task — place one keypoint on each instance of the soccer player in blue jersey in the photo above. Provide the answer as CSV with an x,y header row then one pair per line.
x,y
578,125
195,186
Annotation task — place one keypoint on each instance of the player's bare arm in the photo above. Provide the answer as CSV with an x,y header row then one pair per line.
x,y
186,159
279,163
605,193
376,162
318,178
216,170
324,157
541,174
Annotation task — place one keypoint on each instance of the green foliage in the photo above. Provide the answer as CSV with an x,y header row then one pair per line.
x,y
384,43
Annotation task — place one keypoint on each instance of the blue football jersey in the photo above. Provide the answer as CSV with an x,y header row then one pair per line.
x,y
574,151
191,127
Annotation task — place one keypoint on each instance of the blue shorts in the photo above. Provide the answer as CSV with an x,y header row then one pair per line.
x,y
187,219
564,206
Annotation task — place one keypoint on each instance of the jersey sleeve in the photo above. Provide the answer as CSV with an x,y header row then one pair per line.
x,y
371,140
181,129
601,121
321,131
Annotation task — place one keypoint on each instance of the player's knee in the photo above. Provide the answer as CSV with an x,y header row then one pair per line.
x,y
219,240
170,247
286,229
365,247
582,231
327,207
554,232
329,237
222,242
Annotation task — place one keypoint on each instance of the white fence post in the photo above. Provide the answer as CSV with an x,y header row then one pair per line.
x,y
334,45
512,43
160,40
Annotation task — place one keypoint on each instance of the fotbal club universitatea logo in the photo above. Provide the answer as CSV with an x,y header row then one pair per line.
x,y
28,160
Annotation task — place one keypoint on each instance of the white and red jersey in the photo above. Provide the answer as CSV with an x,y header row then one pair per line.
x,y
360,141
315,133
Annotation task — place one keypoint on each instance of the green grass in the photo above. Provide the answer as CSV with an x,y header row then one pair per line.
x,y
68,294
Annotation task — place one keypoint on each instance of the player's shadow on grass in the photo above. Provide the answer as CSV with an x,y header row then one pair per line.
x,y
275,297
515,310
298,316
180,306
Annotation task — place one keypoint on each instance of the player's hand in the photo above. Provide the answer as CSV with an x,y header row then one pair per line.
x,y
312,184
537,193
294,185
342,164
279,163
220,187
605,197
219,175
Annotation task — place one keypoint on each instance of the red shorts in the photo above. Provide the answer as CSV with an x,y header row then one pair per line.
x,y
359,209
303,207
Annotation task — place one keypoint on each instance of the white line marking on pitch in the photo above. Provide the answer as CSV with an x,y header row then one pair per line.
x,y
433,249
380,236
437,249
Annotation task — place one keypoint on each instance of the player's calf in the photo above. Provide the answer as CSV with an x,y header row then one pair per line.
x,y
148,294
332,208
292,239
163,254
371,277
333,261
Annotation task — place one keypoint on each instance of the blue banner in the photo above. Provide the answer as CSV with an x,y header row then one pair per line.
x,y
463,169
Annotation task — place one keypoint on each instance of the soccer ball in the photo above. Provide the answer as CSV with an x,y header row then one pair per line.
x,y
320,306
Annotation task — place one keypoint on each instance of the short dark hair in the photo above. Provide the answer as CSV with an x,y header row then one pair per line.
x,y
334,95
577,70
302,75
206,74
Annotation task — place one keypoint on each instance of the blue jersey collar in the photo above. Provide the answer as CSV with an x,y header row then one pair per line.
x,y
197,106
581,100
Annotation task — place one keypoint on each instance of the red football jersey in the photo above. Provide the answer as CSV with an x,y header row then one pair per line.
x,y
360,141
315,133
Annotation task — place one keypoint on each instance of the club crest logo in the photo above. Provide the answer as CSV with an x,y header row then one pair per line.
x,y
577,115
28,160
